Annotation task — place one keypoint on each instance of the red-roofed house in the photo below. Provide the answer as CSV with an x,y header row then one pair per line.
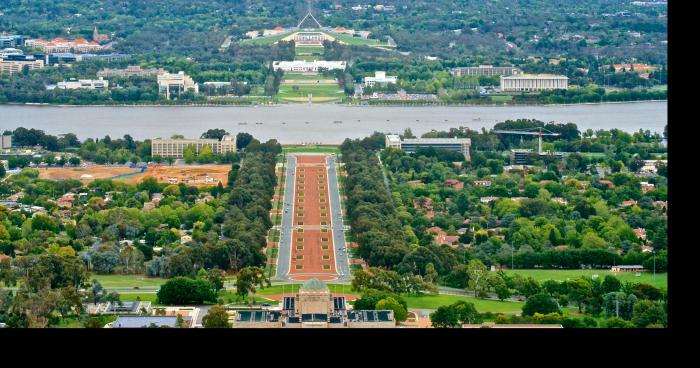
x,y
641,233
4,257
628,203
441,236
454,184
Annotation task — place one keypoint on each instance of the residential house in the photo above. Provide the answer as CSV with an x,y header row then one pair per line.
x,y
454,184
641,233
488,199
482,183
628,203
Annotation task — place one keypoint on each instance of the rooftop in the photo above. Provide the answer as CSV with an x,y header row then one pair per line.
x,y
314,284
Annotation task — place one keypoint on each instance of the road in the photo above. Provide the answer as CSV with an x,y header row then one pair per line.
x,y
287,224
341,259
342,265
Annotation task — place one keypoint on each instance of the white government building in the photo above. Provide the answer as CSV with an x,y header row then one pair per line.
x,y
176,147
533,82
381,78
174,84
98,84
411,145
302,66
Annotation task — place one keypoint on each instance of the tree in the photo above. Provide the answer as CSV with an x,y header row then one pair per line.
x,y
455,315
217,317
248,280
618,304
477,276
540,303
400,312
94,322
216,277
183,290
611,284
614,322
647,313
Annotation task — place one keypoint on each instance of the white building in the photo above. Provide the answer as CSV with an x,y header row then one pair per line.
x,y
97,84
176,147
485,70
16,66
381,78
533,82
412,145
302,66
176,84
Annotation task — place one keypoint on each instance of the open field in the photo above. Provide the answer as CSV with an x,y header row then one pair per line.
x,y
661,280
311,149
482,305
193,175
128,281
317,89
357,41
91,172
264,40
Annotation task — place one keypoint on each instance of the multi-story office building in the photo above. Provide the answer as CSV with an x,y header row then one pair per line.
x,y
533,82
302,66
130,71
380,78
176,147
411,145
16,66
59,44
488,70
96,84
11,41
175,84
67,57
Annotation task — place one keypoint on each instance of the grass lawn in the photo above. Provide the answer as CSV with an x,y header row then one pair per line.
x,y
302,76
311,149
661,280
264,40
329,90
144,297
482,305
128,281
358,41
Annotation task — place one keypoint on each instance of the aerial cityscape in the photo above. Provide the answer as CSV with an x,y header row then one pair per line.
x,y
389,164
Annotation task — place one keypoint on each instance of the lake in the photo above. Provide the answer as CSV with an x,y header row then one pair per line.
x,y
294,124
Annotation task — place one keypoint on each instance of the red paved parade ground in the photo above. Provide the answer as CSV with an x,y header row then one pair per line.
x,y
312,244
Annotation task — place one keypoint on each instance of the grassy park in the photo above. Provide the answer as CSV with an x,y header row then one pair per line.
x,y
661,280
482,305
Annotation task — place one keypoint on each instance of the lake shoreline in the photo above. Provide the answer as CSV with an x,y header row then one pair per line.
x,y
41,104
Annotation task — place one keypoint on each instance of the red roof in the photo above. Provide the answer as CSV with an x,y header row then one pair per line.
x,y
4,257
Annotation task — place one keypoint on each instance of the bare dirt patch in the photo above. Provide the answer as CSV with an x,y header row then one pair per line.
x,y
87,173
191,175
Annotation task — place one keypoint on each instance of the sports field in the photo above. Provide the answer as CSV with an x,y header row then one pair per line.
x,y
661,280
